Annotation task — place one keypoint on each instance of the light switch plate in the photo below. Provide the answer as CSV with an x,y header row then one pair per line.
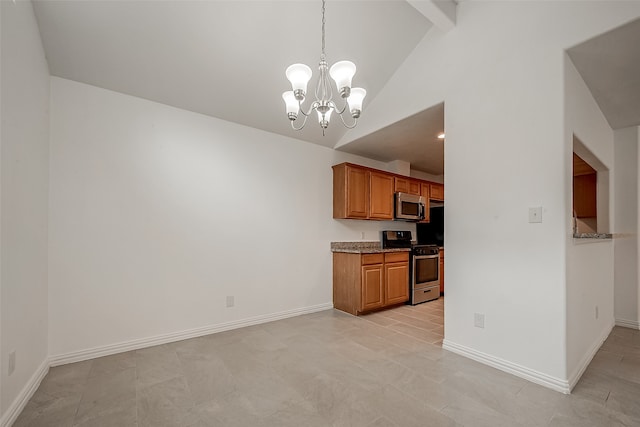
x,y
478,320
535,214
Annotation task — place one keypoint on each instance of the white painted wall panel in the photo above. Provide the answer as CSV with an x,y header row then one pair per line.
x,y
500,72
157,214
590,264
24,199
626,225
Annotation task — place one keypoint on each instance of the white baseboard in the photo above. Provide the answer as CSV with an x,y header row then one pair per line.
x,y
92,353
633,324
509,367
587,358
10,416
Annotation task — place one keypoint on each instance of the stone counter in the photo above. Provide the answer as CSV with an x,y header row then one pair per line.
x,y
592,236
363,248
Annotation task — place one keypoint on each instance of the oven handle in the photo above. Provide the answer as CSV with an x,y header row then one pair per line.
x,y
426,256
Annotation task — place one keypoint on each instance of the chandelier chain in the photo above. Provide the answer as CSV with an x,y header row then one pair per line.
x,y
323,21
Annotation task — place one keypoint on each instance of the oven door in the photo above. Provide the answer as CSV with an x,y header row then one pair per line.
x,y
426,271
425,279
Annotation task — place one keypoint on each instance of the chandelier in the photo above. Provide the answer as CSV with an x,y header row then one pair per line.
x,y
341,72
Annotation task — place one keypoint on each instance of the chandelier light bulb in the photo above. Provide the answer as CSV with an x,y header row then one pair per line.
x,y
342,73
355,101
292,104
299,75
324,118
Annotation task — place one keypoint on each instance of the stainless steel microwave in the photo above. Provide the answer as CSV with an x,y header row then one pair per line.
x,y
409,207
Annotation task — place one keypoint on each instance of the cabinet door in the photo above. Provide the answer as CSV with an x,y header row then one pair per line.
x,y
584,195
397,282
407,185
357,193
401,185
414,187
436,192
372,295
381,195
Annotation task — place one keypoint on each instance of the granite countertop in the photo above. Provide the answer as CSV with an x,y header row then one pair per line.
x,y
363,248
592,236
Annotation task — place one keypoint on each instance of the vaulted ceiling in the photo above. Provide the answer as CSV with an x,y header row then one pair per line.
x,y
610,66
226,59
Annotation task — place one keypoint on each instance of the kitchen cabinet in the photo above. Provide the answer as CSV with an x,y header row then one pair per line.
x,y
380,195
407,185
584,196
441,271
365,282
436,192
396,275
372,287
360,192
350,192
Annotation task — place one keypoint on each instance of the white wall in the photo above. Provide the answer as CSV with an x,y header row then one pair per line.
x,y
427,176
626,227
24,174
157,214
500,73
590,264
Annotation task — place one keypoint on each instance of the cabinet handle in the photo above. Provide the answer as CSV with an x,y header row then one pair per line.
x,y
429,290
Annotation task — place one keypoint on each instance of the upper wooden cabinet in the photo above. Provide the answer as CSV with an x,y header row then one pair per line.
x,y
380,195
585,184
350,192
407,185
436,192
364,193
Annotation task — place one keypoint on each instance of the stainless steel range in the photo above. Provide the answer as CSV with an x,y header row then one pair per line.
x,y
424,274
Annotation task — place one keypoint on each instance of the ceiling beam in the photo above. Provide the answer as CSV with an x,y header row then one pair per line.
x,y
441,12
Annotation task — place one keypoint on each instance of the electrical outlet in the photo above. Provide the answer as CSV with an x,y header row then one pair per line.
x,y
535,214
12,362
362,235
597,314
478,320
230,301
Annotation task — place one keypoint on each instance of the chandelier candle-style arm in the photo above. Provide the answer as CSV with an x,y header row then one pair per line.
x,y
341,72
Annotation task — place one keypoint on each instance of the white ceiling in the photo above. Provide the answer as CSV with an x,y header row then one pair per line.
x,y
225,58
610,66
414,140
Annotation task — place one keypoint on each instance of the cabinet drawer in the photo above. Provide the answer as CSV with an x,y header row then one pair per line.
x,y
396,257
368,259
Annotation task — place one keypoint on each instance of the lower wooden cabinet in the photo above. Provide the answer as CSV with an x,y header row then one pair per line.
x,y
364,282
372,287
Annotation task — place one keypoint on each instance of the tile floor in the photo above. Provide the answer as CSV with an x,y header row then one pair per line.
x,y
330,369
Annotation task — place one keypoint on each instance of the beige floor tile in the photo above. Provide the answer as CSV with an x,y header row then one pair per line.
x,y
168,403
112,364
106,395
330,369
46,410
